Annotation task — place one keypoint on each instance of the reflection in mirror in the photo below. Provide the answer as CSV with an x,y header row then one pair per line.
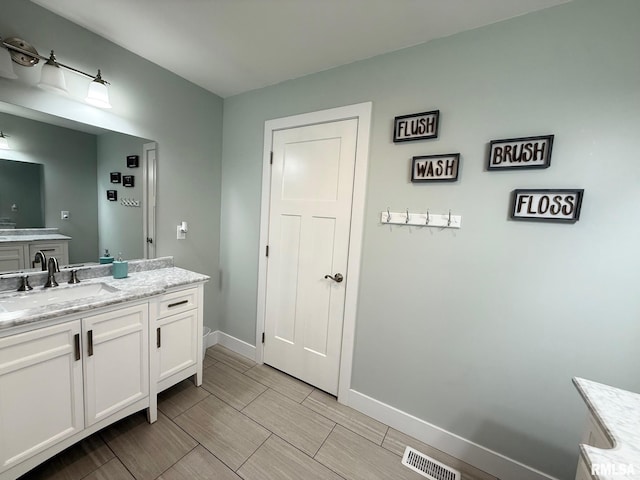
x,y
75,166
21,197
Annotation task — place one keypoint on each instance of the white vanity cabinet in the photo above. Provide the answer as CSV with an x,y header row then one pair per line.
x,y
66,381
63,378
19,255
41,393
176,338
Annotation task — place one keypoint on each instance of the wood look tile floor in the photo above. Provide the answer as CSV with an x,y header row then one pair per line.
x,y
249,422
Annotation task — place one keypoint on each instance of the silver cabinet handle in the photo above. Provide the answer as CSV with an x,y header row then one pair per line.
x,y
336,278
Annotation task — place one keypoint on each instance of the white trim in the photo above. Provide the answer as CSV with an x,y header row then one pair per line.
x,y
480,457
361,111
232,343
149,165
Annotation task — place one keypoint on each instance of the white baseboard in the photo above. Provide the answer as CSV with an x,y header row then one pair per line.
x,y
232,343
480,457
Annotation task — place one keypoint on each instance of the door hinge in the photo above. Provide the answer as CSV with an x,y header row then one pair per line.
x,y
271,159
267,251
262,337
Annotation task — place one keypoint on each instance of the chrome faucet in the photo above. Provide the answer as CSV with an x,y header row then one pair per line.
x,y
40,258
53,269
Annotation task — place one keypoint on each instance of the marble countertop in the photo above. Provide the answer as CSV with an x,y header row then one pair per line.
x,y
138,285
31,234
33,238
618,413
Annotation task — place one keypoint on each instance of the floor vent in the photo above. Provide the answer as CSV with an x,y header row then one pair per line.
x,y
428,467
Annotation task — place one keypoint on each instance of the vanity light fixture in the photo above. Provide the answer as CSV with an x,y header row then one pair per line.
x,y
52,76
4,143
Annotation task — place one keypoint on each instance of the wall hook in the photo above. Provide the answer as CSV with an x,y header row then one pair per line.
x,y
406,220
449,221
427,217
388,215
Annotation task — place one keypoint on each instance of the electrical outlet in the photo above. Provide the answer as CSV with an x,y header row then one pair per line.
x,y
64,215
181,234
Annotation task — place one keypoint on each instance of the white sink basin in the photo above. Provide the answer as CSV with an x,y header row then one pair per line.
x,y
52,295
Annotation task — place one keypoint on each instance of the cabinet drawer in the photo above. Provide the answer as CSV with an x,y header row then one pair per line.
x,y
51,249
177,302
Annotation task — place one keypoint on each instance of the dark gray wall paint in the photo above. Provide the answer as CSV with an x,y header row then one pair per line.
x,y
480,330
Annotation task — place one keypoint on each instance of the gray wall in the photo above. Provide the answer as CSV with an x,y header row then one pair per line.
x,y
120,226
21,194
493,319
69,159
148,102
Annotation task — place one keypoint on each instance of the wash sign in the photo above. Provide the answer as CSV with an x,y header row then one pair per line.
x,y
430,168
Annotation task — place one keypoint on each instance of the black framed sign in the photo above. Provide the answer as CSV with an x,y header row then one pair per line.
x,y
550,205
115,177
133,161
416,126
112,195
435,168
526,152
127,181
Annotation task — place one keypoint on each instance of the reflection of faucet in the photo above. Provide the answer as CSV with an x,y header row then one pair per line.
x,y
53,269
41,259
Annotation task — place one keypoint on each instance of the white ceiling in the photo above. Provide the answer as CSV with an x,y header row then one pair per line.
x,y
233,46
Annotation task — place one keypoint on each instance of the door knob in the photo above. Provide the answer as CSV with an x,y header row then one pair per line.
x,y
336,278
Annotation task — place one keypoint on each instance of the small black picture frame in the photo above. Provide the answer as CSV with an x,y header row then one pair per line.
x,y
112,195
520,153
416,126
115,177
560,205
435,168
128,181
133,161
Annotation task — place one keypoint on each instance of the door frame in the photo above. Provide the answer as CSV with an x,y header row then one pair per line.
x,y
149,169
362,112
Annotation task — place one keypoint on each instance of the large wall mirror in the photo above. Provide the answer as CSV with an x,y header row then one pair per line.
x,y
56,166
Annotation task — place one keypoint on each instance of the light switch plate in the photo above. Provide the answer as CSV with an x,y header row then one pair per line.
x,y
181,235
64,215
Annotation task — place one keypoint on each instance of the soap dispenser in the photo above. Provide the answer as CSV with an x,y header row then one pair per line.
x,y
120,267
106,258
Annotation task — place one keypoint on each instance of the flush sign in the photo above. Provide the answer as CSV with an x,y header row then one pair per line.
x,y
417,126
556,205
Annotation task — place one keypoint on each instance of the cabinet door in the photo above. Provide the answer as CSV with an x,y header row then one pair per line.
x,y
12,257
176,343
40,391
116,361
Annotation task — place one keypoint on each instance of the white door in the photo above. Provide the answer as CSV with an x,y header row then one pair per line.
x,y
309,223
